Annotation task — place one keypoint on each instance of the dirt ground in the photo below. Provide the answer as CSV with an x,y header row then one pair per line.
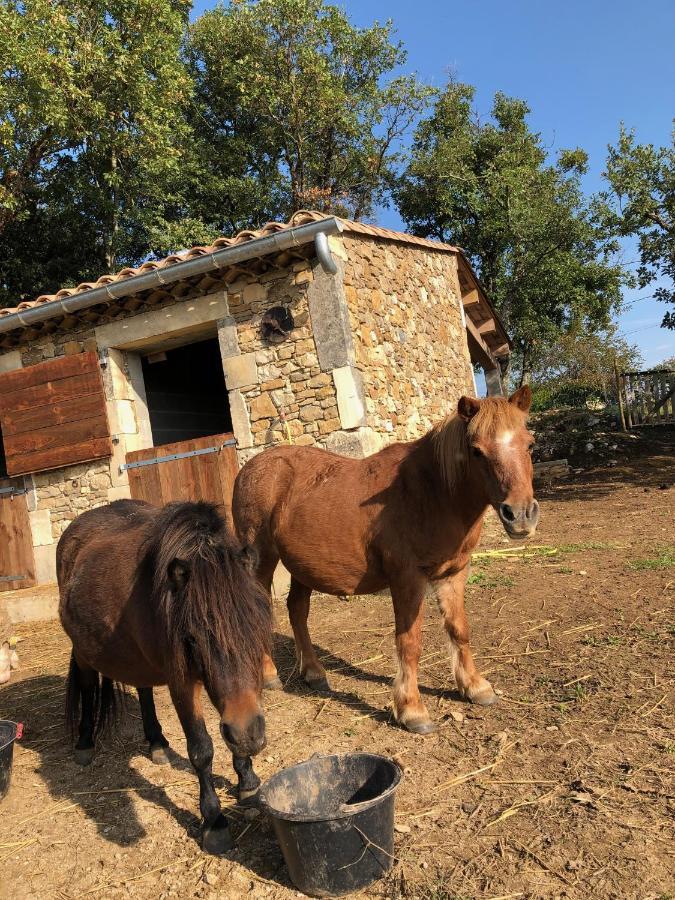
x,y
565,789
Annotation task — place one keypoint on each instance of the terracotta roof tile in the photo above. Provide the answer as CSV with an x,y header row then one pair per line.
x,y
302,217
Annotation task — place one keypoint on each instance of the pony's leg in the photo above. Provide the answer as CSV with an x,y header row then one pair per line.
x,y
298,611
152,728
88,684
409,709
248,780
216,837
268,560
472,685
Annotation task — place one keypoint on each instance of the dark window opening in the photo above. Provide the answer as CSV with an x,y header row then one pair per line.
x,y
186,393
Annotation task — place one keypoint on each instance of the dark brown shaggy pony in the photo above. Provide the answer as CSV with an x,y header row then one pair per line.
x,y
153,596
406,518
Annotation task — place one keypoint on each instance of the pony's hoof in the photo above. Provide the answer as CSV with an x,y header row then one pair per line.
x,y
320,685
84,755
159,756
216,837
274,684
486,697
249,798
420,726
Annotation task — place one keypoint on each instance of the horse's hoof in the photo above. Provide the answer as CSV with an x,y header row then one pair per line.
x,y
84,755
159,756
216,837
485,697
249,798
274,684
420,726
320,685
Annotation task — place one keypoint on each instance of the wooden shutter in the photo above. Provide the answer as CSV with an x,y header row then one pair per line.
x,y
54,414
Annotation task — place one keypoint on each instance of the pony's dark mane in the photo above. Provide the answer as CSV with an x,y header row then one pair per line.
x,y
220,617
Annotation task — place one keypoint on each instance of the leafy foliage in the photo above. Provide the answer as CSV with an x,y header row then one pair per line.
x,y
538,245
297,108
91,120
642,204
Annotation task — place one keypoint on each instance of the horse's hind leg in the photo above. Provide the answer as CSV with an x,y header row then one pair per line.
x,y
298,611
84,682
216,837
268,559
151,727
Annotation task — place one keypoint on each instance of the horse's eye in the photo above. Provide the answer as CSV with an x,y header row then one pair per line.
x,y
477,452
530,448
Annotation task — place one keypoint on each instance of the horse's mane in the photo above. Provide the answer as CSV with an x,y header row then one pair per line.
x,y
221,616
451,438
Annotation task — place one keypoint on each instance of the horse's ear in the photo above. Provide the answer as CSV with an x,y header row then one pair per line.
x,y
522,398
179,573
249,559
467,407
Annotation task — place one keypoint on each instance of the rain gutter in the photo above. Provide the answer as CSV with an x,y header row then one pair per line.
x,y
285,239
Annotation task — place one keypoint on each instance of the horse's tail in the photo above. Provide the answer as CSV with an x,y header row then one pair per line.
x,y
106,705
214,610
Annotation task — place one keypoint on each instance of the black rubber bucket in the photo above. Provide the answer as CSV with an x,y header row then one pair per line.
x,y
8,734
334,819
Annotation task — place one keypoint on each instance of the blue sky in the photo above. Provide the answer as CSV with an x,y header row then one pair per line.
x,y
583,66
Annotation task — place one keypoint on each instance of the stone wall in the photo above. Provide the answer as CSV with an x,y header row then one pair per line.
x,y
409,336
266,381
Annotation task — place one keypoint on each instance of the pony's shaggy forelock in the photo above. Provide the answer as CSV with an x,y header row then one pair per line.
x,y
452,437
221,618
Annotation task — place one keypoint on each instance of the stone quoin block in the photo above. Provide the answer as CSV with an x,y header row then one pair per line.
x,y
240,371
350,400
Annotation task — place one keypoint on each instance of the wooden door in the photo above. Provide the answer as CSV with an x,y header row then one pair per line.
x,y
207,474
17,567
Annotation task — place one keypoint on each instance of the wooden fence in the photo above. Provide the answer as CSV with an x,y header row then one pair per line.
x,y
647,398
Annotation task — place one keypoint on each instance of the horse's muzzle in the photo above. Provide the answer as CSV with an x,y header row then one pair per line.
x,y
519,521
245,741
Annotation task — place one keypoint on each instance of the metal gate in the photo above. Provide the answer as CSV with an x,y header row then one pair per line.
x,y
198,469
17,565
647,398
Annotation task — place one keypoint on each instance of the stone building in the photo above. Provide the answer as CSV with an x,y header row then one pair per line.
x,y
160,381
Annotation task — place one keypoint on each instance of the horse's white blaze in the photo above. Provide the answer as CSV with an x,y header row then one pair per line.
x,y
505,438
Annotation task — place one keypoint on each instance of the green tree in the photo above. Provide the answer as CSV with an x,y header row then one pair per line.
x,y
536,241
642,204
296,107
92,129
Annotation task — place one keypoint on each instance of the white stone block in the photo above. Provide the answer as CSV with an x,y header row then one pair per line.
x,y
10,361
121,492
349,390
241,424
240,371
41,527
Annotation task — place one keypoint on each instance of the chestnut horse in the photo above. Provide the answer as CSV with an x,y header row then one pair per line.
x,y
406,518
152,596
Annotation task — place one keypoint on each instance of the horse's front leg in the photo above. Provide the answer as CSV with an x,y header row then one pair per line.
x,y
472,685
410,711
249,782
216,836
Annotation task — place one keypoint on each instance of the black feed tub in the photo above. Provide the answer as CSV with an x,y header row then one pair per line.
x,y
334,819
8,734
